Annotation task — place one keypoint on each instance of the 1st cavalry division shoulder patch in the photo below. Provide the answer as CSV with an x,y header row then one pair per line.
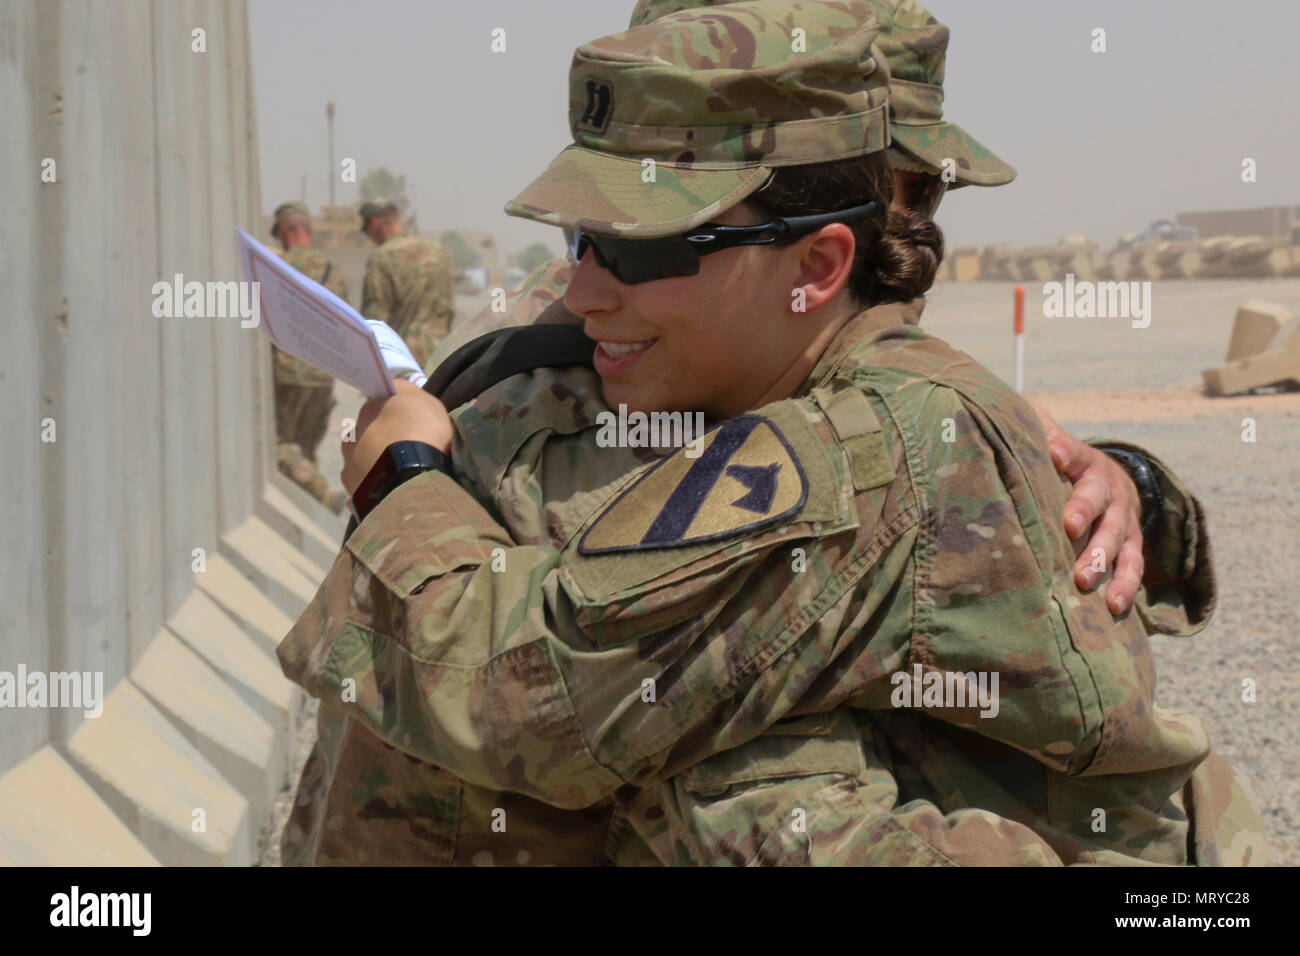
x,y
746,477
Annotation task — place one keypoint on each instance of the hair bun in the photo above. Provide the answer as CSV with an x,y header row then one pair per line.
x,y
906,258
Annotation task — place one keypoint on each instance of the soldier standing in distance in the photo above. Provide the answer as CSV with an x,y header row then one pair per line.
x,y
408,281
304,395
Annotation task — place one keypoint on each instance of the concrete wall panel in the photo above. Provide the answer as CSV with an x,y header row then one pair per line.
x,y
165,441
24,627
188,455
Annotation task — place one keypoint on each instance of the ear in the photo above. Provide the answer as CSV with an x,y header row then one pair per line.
x,y
825,264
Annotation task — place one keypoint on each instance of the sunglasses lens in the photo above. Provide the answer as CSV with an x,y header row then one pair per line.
x,y
632,261
573,245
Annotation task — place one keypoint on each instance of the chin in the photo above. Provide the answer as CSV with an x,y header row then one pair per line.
x,y
635,401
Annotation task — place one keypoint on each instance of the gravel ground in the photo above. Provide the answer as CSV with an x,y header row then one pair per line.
x,y
1102,377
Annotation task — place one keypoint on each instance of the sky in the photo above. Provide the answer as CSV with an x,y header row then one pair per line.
x,y
1104,142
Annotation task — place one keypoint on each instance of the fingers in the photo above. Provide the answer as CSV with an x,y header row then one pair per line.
x,y
348,445
405,385
1090,498
1104,547
1130,567
1071,456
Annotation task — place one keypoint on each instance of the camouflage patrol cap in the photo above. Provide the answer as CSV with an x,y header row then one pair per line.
x,y
915,45
284,211
293,208
716,99
375,207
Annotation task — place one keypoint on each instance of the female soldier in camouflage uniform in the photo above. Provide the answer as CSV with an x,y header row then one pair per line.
x,y
870,506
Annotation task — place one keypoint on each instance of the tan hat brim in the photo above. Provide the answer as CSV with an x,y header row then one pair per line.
x,y
611,195
976,164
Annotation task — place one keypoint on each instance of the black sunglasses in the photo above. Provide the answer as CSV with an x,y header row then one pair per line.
x,y
644,260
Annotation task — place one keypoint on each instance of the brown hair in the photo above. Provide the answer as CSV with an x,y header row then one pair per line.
x,y
898,253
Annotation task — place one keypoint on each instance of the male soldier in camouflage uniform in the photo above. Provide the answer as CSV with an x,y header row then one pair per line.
x,y
408,281
304,395
823,761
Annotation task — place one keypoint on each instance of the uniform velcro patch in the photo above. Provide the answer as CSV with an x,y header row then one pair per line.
x,y
859,430
746,477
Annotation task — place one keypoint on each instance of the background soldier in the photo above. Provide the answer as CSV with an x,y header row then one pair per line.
x,y
304,395
408,281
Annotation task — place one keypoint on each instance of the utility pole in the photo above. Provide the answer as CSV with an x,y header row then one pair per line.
x,y
329,114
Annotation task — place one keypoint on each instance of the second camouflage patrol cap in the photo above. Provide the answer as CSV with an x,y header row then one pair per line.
x,y
680,119
915,45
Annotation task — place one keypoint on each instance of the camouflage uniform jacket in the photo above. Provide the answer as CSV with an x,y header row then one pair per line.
x,y
880,547
310,262
408,285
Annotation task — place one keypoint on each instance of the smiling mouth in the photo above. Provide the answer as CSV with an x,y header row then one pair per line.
x,y
617,350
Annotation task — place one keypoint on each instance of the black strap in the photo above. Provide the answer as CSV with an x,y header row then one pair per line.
x,y
326,277
482,362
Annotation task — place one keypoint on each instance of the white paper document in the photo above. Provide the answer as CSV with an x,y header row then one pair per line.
x,y
310,322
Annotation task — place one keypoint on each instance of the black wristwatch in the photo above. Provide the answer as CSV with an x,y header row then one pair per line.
x,y
1148,487
401,461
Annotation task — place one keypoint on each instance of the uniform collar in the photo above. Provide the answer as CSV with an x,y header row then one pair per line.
x,y
863,327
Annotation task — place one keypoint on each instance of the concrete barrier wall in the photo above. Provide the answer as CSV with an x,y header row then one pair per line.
x,y
1260,221
151,541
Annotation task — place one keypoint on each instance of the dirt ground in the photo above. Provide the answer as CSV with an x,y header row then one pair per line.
x,y
1104,378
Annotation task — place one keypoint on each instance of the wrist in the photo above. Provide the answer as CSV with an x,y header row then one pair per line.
x,y
399,462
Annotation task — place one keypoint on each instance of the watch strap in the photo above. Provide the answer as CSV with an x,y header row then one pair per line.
x,y
400,462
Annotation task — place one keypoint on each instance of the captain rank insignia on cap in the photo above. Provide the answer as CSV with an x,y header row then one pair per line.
x,y
599,107
746,477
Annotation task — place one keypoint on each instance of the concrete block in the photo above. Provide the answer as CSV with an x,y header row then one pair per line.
x,y
258,553
242,664
286,513
1274,367
1253,328
211,716
256,613
154,780
966,267
305,565
49,816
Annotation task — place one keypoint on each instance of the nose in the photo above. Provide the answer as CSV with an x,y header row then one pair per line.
x,y
593,291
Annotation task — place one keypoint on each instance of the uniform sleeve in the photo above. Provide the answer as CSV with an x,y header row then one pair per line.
x,y
1179,592
819,791
466,651
1067,682
378,293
